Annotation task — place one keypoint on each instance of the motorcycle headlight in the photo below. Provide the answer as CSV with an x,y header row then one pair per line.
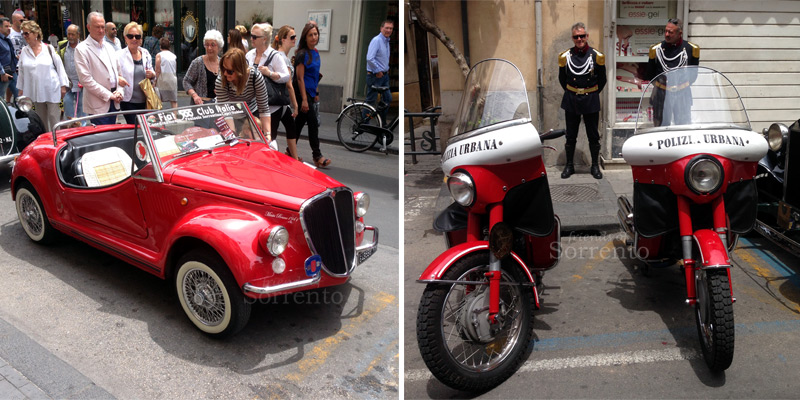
x,y
24,103
776,136
362,204
275,240
704,175
461,188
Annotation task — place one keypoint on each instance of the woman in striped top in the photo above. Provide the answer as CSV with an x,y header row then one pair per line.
x,y
238,82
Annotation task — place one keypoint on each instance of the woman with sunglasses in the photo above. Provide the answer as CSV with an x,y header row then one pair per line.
x,y
42,76
307,65
135,65
284,42
201,77
239,82
271,64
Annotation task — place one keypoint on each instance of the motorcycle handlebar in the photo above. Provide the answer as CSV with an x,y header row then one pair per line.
x,y
552,134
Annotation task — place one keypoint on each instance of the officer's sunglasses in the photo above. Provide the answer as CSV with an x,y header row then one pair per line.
x,y
579,36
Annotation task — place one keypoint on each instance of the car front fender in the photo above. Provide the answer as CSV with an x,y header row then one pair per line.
x,y
234,234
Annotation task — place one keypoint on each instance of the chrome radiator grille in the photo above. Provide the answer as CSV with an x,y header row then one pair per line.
x,y
329,223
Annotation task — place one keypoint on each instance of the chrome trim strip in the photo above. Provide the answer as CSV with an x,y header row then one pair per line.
x,y
452,282
91,117
282,287
717,266
366,251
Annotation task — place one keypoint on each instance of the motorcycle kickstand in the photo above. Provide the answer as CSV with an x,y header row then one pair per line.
x,y
384,147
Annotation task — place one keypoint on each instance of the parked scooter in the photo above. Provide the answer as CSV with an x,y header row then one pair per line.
x,y
779,187
475,319
694,158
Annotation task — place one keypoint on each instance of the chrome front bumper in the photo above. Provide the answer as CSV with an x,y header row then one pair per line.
x,y
363,252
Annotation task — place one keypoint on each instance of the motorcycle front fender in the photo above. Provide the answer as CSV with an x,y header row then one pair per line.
x,y
444,261
713,253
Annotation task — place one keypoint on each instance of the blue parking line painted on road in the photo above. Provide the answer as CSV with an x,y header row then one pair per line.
x,y
661,336
775,264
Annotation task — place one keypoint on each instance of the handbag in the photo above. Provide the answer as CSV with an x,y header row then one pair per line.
x,y
278,95
153,99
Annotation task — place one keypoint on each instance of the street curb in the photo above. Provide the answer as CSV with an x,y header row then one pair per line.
x,y
44,369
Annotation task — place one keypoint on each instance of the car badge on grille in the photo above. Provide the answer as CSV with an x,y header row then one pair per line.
x,y
313,265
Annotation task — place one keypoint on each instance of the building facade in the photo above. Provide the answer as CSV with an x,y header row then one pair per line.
x,y
755,44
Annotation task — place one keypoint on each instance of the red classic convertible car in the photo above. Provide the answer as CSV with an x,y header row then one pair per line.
x,y
195,195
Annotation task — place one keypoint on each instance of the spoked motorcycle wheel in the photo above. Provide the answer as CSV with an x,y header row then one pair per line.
x,y
714,317
458,344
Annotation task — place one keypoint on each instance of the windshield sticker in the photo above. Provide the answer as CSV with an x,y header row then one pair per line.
x,y
471,147
208,111
141,151
224,128
708,138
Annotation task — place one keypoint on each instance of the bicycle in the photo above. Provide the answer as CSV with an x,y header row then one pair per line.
x,y
359,125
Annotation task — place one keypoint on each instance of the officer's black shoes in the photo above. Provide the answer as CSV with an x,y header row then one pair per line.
x,y
595,171
569,169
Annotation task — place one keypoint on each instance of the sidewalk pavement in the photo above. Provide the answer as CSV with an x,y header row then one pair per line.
x,y
584,204
327,130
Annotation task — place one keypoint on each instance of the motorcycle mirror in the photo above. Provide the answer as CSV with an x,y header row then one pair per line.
x,y
500,240
552,134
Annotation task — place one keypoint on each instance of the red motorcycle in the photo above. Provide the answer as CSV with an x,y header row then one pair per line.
x,y
694,160
475,319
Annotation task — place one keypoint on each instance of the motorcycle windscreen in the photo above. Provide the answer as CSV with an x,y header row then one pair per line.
x,y
529,208
741,204
655,209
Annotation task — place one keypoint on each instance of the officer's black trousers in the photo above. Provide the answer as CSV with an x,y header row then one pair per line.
x,y
589,120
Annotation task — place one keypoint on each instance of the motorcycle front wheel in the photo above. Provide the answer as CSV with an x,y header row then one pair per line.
x,y
458,344
714,317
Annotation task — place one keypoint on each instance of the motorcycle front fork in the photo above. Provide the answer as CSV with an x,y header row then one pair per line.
x,y
686,232
495,216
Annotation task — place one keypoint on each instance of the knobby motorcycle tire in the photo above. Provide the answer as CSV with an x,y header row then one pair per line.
x,y
719,352
432,345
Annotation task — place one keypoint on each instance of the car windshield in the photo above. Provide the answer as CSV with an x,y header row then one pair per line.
x,y
690,98
494,93
181,131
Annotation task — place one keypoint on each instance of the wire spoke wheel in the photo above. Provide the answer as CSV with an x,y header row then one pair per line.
x,y
209,294
714,317
32,216
351,119
458,343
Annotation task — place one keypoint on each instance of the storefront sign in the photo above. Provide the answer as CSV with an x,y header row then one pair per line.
x,y
643,11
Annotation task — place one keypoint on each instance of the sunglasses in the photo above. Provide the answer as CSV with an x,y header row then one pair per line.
x,y
130,36
293,37
227,71
579,36
256,37
25,33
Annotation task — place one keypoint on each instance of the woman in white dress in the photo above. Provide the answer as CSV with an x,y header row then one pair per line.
x,y
42,76
166,76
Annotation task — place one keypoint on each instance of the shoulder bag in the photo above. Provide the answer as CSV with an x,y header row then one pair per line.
x,y
278,95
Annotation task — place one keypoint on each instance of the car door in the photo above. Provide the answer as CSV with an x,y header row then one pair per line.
x,y
98,183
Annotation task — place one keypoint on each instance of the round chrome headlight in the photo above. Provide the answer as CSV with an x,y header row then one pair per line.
x,y
362,204
704,175
277,241
776,136
24,103
461,188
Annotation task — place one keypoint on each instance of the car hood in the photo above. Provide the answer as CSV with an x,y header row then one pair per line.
x,y
252,173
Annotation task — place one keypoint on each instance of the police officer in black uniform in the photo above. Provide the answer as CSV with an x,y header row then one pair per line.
x,y
582,74
672,101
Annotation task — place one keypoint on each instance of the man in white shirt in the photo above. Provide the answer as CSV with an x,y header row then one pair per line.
x,y
111,36
96,64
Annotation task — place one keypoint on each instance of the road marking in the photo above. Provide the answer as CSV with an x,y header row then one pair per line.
x,y
662,336
320,353
775,271
597,360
